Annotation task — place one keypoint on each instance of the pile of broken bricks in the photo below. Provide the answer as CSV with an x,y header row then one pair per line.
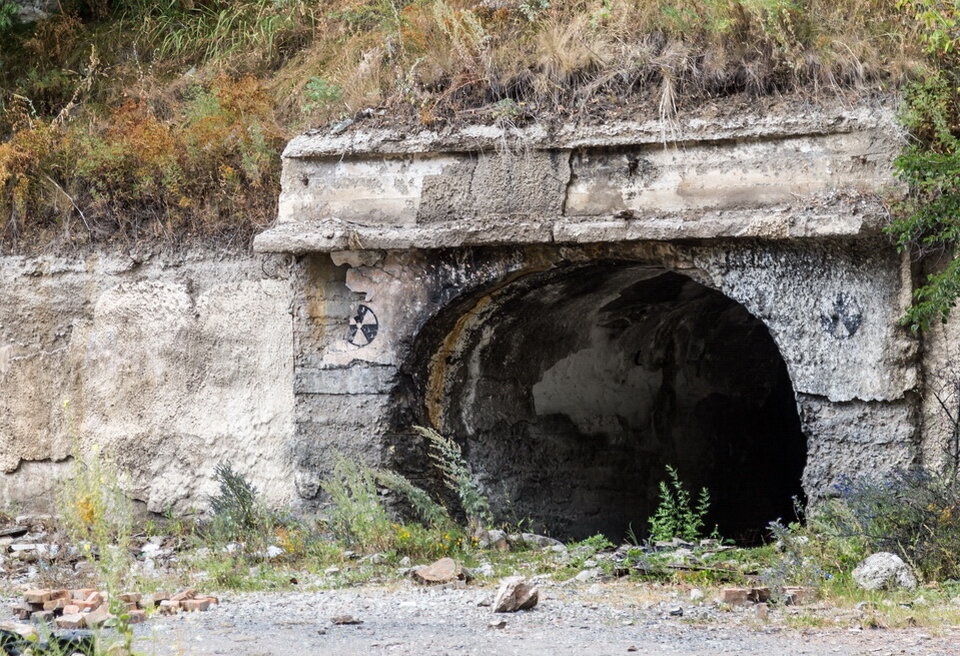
x,y
88,608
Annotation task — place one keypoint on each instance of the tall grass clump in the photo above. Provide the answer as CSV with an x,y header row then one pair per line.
x,y
358,515
363,506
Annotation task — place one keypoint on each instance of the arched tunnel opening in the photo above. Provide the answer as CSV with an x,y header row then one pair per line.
x,y
570,392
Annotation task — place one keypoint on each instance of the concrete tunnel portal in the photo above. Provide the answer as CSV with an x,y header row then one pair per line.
x,y
570,391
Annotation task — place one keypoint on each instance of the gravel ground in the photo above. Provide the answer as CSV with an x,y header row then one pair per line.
x,y
609,618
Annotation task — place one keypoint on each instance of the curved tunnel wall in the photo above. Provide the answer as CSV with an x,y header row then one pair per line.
x,y
574,388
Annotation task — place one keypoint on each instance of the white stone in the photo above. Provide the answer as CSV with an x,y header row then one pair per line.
x,y
884,571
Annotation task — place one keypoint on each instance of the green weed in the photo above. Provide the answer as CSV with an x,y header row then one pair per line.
x,y
677,516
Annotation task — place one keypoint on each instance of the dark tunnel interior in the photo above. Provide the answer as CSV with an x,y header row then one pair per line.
x,y
580,386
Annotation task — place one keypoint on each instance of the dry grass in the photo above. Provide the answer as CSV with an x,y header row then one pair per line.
x,y
172,161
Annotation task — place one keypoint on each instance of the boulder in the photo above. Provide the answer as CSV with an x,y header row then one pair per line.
x,y
539,541
884,571
515,593
492,539
445,570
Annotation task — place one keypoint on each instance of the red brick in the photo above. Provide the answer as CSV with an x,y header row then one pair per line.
x,y
98,617
71,609
734,596
77,621
136,616
21,611
187,593
799,595
195,604
130,597
157,597
168,607
37,596
56,604
759,595
80,594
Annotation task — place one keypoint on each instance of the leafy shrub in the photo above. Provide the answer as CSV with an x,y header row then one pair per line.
x,y
677,516
97,512
320,93
238,512
448,457
430,512
914,513
7,12
597,542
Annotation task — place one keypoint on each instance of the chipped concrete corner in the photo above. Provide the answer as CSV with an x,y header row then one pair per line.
x,y
577,307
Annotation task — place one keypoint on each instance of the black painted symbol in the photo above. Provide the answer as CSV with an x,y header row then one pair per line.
x,y
842,319
363,326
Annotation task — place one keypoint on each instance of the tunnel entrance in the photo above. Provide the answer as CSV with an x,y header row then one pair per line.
x,y
574,389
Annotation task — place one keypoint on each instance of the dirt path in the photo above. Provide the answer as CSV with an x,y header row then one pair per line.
x,y
595,620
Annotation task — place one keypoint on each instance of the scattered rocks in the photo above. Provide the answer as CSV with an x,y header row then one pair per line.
x,y
884,571
497,624
539,541
676,612
345,620
445,570
696,595
515,593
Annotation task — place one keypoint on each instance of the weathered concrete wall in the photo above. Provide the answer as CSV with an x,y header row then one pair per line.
x,y
171,363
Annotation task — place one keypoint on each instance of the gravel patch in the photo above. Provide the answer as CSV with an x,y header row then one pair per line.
x,y
597,619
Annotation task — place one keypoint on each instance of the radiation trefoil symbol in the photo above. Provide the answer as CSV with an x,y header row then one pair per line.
x,y
363,326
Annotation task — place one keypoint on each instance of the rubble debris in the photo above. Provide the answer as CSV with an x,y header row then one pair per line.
x,y
345,620
734,596
515,593
87,608
445,570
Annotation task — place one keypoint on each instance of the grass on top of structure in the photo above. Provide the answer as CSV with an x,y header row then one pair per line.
x,y
126,119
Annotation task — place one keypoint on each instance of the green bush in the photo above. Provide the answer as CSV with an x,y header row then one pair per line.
x,y
677,516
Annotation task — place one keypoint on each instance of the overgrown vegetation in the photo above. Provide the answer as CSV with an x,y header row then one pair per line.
x,y
123,119
927,222
913,513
